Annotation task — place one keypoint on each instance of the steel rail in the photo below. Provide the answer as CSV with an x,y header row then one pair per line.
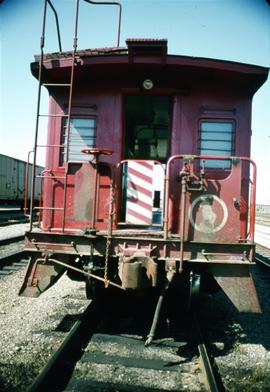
x,y
12,262
55,377
14,221
14,257
10,212
50,372
213,380
265,260
207,368
11,240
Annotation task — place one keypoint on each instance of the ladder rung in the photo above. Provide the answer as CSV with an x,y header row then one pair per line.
x,y
53,115
49,208
56,84
52,145
79,145
51,177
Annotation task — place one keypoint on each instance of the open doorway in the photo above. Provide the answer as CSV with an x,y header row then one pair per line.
x,y
147,127
147,122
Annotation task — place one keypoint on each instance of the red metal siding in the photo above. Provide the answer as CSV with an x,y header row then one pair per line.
x,y
197,93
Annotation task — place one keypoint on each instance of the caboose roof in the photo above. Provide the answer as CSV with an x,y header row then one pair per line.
x,y
150,56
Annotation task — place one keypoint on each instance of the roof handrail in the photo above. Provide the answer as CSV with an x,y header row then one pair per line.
x,y
42,40
119,13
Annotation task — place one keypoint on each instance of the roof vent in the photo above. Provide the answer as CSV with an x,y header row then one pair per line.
x,y
146,47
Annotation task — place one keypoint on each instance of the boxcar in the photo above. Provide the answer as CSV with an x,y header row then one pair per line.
x,y
13,181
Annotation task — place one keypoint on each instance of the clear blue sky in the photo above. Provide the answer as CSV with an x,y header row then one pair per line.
x,y
237,30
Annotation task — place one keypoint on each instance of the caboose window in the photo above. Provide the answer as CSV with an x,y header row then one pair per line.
x,y
217,138
82,135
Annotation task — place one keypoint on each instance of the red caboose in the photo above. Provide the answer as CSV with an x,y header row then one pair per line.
x,y
148,176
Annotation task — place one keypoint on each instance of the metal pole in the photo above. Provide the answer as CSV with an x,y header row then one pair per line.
x,y
26,183
182,218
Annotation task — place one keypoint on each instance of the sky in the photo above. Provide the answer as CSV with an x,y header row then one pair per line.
x,y
236,30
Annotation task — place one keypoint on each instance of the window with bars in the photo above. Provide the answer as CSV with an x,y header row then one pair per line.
x,y
82,135
217,138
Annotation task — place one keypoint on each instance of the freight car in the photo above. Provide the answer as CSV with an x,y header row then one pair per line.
x,y
148,180
13,180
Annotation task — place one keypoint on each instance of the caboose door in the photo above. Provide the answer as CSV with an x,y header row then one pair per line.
x,y
146,149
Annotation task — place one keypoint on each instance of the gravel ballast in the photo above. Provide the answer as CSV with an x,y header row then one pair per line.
x,y
28,336
13,230
27,327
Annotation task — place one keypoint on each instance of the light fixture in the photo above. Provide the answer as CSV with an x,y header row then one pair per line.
x,y
148,84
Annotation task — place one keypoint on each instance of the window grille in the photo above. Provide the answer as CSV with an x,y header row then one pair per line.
x,y
217,138
81,136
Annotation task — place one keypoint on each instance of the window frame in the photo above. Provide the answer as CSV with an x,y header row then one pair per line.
x,y
215,120
137,93
75,116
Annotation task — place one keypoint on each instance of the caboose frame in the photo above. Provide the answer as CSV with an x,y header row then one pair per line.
x,y
103,216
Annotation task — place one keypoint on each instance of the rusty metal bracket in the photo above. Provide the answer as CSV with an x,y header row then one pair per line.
x,y
127,251
137,271
172,264
46,245
208,255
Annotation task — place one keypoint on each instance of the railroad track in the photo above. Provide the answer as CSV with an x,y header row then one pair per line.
x,y
11,217
212,378
262,255
263,259
104,350
11,240
12,263
53,375
12,256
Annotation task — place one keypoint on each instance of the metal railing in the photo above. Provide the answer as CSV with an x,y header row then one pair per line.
x,y
252,204
70,85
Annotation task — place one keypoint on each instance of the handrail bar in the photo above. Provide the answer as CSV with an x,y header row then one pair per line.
x,y
213,157
26,181
119,13
57,24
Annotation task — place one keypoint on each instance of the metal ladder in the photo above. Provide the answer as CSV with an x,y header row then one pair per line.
x,y
43,83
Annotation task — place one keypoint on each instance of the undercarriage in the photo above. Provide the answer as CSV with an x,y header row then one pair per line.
x,y
137,261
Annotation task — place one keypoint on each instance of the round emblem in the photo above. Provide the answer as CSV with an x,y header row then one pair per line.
x,y
208,213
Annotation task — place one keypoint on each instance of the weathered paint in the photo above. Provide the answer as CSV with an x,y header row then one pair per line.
x,y
139,192
215,221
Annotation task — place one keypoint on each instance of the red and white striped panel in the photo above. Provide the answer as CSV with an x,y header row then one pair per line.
x,y
139,192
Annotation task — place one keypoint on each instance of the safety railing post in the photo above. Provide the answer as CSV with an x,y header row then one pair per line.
x,y
119,5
